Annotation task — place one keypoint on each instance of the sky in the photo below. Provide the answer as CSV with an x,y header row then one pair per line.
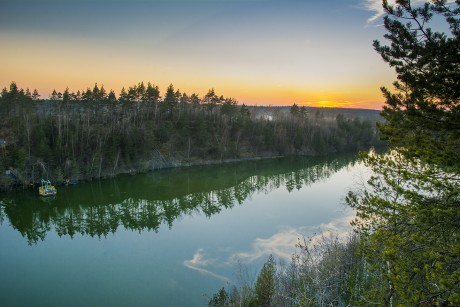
x,y
259,52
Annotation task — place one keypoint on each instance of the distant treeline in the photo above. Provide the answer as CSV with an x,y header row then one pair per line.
x,y
94,134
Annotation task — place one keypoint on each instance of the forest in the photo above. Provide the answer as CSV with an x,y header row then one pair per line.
x,y
95,134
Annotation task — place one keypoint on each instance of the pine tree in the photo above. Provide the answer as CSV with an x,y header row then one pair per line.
x,y
423,114
170,99
411,211
35,94
266,283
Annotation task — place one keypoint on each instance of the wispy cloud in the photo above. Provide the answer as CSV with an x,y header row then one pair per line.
x,y
376,7
339,227
198,263
281,245
284,243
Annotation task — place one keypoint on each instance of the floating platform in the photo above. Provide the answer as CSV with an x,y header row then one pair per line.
x,y
47,189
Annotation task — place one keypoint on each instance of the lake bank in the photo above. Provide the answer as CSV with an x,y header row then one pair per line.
x,y
159,162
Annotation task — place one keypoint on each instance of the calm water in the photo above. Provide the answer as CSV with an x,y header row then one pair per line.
x,y
167,238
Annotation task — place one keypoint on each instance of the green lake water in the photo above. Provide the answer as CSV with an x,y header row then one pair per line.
x,y
169,237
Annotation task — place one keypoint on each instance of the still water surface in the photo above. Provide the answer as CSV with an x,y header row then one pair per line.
x,y
166,238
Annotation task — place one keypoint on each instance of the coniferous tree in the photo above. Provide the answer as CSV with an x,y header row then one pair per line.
x,y
111,97
423,114
66,96
170,99
152,93
410,214
53,96
266,283
35,94
123,95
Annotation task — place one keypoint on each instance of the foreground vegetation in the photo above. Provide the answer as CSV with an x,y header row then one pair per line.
x,y
407,247
93,134
410,211
327,271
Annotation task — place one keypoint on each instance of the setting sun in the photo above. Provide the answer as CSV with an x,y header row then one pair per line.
x,y
271,56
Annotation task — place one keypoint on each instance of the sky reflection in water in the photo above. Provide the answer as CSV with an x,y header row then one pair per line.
x,y
167,237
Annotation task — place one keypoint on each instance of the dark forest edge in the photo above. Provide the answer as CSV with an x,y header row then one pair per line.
x,y
93,134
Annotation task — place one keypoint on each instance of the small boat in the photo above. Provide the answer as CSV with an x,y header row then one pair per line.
x,y
47,189
68,182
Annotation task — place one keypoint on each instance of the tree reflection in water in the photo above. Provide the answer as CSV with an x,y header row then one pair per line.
x,y
146,201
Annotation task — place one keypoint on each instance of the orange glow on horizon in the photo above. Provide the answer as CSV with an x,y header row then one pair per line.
x,y
81,66
254,94
288,64
344,104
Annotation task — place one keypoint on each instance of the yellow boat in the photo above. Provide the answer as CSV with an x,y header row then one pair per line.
x,y
46,189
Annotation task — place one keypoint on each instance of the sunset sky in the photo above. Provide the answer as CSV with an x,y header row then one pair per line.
x,y
260,52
